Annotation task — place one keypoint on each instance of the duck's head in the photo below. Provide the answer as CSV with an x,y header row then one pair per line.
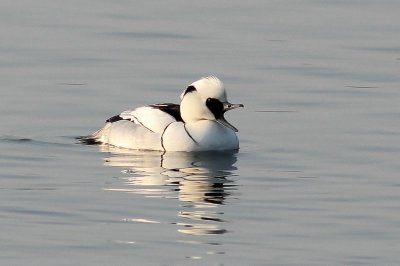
x,y
206,99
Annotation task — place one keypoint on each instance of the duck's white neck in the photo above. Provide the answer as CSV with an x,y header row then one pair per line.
x,y
193,109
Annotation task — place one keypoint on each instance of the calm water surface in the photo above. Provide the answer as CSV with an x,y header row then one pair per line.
x,y
316,181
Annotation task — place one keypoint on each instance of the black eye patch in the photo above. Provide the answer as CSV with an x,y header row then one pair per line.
x,y
216,107
189,89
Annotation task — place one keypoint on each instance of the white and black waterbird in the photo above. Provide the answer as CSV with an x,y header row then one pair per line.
x,y
197,124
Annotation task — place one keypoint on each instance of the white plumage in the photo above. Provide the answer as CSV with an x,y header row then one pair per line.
x,y
197,124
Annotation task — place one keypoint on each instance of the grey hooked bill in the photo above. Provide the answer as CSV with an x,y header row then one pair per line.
x,y
229,106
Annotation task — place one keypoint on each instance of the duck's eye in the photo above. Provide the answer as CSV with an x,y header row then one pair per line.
x,y
215,106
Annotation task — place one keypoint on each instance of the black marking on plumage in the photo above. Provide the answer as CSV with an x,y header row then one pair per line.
x,y
117,118
170,108
113,119
190,136
140,123
162,136
191,88
216,107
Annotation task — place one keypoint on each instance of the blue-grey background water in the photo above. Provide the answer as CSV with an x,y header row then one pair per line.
x,y
316,181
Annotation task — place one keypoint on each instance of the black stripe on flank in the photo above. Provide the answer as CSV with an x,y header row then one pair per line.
x,y
191,88
162,135
117,118
190,136
140,123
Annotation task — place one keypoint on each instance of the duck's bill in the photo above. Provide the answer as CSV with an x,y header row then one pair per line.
x,y
229,106
223,121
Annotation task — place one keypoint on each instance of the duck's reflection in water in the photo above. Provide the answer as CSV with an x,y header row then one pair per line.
x,y
201,181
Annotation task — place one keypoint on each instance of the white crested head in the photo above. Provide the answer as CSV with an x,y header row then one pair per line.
x,y
206,99
209,87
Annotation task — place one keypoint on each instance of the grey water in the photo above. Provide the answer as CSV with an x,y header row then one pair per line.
x,y
315,182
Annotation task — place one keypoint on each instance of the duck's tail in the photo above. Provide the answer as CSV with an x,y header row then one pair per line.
x,y
94,138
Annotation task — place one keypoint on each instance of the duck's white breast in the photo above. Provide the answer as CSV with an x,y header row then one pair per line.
x,y
203,135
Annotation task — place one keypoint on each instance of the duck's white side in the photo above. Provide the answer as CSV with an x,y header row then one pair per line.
x,y
203,135
197,124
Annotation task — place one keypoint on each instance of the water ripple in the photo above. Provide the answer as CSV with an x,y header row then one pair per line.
x,y
199,181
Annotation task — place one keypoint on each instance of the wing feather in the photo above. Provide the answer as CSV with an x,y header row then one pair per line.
x,y
153,117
